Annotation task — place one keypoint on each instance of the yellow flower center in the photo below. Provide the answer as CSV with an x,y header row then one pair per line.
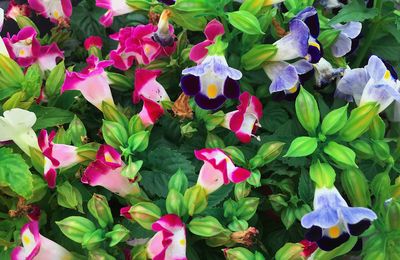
x,y
212,91
334,232
293,89
108,157
147,49
315,45
56,14
387,75
21,52
26,240
182,242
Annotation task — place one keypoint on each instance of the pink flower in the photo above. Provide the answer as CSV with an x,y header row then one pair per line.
x,y
58,11
169,243
114,8
309,248
218,169
14,10
36,246
137,44
244,121
56,156
3,49
26,50
93,41
151,92
213,29
106,170
92,82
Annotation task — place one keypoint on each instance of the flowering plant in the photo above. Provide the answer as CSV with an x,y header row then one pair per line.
x,y
197,129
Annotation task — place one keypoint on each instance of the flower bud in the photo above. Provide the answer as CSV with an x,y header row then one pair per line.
x,y
174,203
259,54
245,237
178,182
135,125
188,129
118,234
230,208
242,190
76,227
221,239
55,80
132,169
88,151
377,128
98,207
236,155
77,131
334,121
255,178
10,73
277,202
238,225
247,207
195,199
37,159
93,45
238,253
139,141
363,149
145,214
322,174
307,110
381,150
380,188
393,215
205,226
356,187
69,197
111,113
24,21
359,121
114,134
266,154
139,4
214,141
214,120
120,82
341,154
290,251
62,137
99,254
252,6
93,240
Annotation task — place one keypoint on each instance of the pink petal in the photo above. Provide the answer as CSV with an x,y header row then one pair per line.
x,y
213,29
50,177
150,112
199,51
239,175
107,19
67,7
93,41
210,178
67,155
109,156
146,84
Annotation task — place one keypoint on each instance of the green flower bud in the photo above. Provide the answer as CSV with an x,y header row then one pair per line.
x,y
62,137
247,207
290,251
393,215
363,149
356,187
24,21
69,197
381,150
118,234
139,252
139,141
145,214
175,203
235,154
178,182
255,178
77,131
188,129
277,202
238,225
114,134
259,54
99,254
55,80
252,6
334,121
230,207
140,4
76,227
88,151
221,239
111,113
322,174
195,200
98,207
93,240
214,141
380,188
205,226
33,81
267,153
242,190
341,154
214,120
135,125
377,128
238,253
10,73
302,146
132,169
359,121
120,82
307,110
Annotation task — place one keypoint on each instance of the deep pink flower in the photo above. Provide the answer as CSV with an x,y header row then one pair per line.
x,y
309,247
58,11
14,10
114,8
93,41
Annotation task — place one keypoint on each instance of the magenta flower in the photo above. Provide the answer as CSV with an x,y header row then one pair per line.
x,y
151,92
137,44
213,29
244,121
58,11
218,169
93,41
56,156
92,82
14,10
169,243
114,8
106,170
36,246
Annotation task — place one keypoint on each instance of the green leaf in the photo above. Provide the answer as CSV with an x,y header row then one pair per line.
x,y
341,154
245,22
15,174
334,121
50,116
302,146
354,11
259,54
340,250
306,187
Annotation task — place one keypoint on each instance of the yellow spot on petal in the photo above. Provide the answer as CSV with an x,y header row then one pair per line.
x,y
21,52
56,14
147,49
26,240
293,89
212,91
108,157
315,45
387,75
182,242
334,232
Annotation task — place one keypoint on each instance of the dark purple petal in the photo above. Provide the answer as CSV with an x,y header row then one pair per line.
x,y
313,24
190,85
314,234
328,244
231,88
209,104
359,228
390,69
314,54
167,2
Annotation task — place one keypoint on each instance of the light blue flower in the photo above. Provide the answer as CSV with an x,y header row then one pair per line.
x,y
345,42
333,221
324,72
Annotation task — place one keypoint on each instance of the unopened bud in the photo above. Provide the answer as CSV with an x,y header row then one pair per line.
x,y
76,227
99,208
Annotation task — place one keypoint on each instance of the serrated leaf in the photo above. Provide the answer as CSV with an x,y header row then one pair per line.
x,y
15,174
50,116
302,146
354,11
306,187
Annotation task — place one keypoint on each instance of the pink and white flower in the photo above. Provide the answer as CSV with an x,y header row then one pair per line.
x,y
106,170
3,49
48,55
92,82
137,44
169,243
36,246
114,8
93,42
151,92
14,10
56,156
218,169
244,121
199,52
58,11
